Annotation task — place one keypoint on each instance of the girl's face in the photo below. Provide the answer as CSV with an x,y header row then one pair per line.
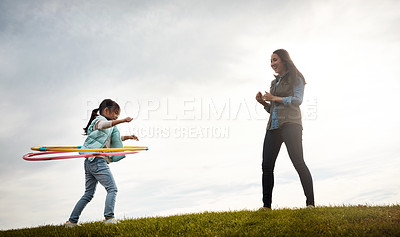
x,y
110,114
277,65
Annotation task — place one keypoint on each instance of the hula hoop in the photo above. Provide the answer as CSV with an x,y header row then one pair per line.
x,y
78,148
29,155
126,150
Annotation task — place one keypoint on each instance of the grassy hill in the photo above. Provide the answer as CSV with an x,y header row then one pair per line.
x,y
320,221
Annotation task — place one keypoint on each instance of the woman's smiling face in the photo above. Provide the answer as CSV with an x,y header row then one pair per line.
x,y
277,65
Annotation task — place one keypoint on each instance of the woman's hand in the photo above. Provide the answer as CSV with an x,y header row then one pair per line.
x,y
133,137
269,97
260,99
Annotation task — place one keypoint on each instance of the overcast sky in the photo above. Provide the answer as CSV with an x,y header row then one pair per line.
x,y
188,73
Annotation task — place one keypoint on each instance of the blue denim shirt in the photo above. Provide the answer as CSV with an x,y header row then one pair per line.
x,y
296,99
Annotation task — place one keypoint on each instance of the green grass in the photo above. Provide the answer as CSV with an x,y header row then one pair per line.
x,y
320,221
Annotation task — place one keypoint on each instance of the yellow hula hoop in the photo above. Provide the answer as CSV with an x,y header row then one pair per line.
x,y
78,148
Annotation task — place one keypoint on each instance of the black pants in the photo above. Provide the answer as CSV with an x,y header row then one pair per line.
x,y
291,134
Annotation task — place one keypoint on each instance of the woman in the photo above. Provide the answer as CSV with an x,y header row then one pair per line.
x,y
284,125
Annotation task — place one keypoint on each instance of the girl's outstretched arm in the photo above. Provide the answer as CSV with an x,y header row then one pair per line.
x,y
118,121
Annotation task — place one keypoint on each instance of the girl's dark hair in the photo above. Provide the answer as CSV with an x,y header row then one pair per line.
x,y
107,103
292,69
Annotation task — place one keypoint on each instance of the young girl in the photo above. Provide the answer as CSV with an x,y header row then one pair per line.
x,y
102,133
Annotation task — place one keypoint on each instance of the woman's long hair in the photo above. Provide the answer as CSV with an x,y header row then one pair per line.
x,y
107,103
292,69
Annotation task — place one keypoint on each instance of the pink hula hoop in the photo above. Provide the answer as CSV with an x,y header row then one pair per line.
x,y
96,154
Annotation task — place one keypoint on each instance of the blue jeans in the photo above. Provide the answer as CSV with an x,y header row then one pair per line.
x,y
96,171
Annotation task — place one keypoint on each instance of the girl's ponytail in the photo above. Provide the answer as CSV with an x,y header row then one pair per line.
x,y
107,103
92,117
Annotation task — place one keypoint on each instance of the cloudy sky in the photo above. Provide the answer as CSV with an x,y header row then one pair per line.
x,y
188,73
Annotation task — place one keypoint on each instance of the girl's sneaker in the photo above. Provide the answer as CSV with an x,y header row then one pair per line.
x,y
69,224
110,221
